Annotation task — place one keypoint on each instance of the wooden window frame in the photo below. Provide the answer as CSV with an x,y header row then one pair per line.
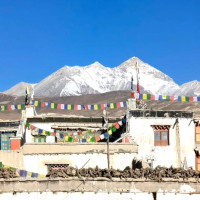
x,y
197,132
161,142
161,129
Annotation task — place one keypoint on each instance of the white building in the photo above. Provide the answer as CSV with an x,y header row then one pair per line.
x,y
165,138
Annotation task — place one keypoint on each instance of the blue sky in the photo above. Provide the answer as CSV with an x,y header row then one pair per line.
x,y
37,37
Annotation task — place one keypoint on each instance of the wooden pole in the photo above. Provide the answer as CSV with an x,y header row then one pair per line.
x,y
108,149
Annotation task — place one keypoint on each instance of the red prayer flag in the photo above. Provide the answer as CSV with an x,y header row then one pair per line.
x,y
102,106
43,104
171,98
9,107
191,99
59,106
132,95
86,107
52,134
31,127
118,104
152,97
97,138
75,107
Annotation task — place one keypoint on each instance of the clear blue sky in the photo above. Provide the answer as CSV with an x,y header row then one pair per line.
x,y
37,37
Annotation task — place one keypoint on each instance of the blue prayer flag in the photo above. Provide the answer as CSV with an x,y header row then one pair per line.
x,y
140,96
179,98
40,131
160,97
106,135
49,105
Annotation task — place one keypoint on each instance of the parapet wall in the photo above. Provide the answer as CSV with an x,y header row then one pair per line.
x,y
100,185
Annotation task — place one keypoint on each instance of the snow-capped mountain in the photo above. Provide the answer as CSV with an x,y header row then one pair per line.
x,y
96,78
190,89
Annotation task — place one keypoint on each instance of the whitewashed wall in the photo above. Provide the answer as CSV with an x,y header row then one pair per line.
x,y
143,134
36,162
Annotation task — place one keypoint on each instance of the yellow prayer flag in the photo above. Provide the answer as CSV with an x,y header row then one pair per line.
x,y
36,103
41,175
2,108
66,138
88,139
183,98
164,96
144,96
19,107
6,166
69,107
52,105
43,132
29,173
110,132
112,105
95,107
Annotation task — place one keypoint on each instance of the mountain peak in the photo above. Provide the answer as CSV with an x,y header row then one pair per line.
x,y
95,64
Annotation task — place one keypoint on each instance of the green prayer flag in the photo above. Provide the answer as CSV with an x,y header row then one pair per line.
x,y
39,103
13,169
115,105
55,106
187,99
72,107
167,98
148,97
6,107
93,139
70,139
22,106
49,133
27,125
99,106
114,129
1,165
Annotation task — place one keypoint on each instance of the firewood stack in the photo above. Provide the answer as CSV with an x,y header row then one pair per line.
x,y
7,173
156,174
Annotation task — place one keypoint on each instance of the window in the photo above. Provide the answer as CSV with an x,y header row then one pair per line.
x,y
198,163
197,135
161,135
39,139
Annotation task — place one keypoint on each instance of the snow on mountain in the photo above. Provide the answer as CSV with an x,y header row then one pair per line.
x,y
190,89
96,78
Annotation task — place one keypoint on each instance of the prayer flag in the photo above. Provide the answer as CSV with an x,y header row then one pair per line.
x,y
52,105
144,96
183,98
36,103
95,107
97,138
59,106
152,97
148,96
69,107
42,104
132,83
171,98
